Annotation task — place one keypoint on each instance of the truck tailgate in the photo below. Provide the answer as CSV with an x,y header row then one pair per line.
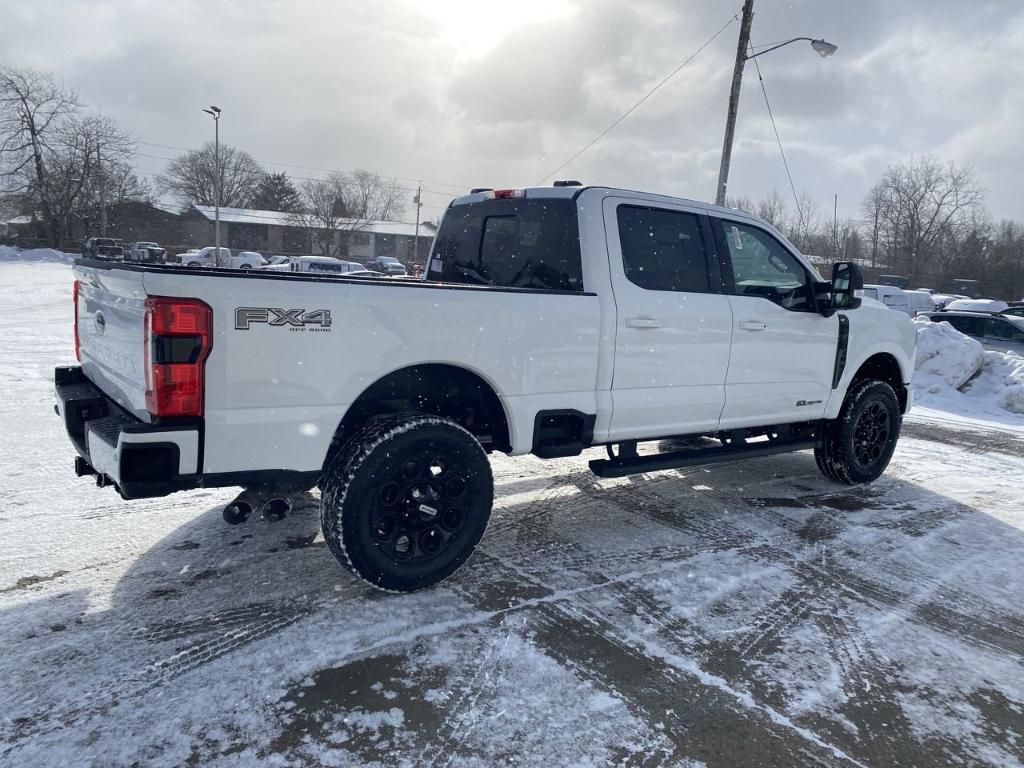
x,y
111,317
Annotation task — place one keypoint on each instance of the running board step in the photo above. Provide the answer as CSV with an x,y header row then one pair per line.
x,y
697,457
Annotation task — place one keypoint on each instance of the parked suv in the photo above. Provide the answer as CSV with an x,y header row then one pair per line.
x,y
551,320
102,248
1002,333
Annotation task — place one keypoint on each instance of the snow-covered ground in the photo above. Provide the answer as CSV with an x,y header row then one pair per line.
x,y
9,253
750,614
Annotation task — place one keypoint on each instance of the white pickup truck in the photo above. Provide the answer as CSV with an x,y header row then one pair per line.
x,y
551,320
207,257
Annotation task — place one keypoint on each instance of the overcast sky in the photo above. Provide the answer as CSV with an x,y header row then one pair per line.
x,y
468,93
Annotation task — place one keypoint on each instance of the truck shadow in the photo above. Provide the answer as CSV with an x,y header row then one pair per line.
x,y
766,575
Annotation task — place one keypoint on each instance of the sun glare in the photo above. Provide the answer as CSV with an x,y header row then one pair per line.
x,y
473,27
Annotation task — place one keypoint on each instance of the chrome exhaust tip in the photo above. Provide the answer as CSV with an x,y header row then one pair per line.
x,y
276,508
240,510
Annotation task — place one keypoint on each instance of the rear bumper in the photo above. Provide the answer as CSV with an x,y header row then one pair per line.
x,y
141,460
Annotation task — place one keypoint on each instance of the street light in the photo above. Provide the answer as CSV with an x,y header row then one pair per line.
x,y
214,112
823,49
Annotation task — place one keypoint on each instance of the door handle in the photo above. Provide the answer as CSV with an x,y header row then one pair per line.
x,y
753,325
643,322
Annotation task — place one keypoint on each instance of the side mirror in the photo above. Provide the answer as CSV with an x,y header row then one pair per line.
x,y
847,279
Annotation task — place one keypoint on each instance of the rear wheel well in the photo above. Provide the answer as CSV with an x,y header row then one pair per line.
x,y
435,388
884,367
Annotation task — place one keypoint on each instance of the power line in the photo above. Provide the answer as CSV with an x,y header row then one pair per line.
x,y
778,139
645,97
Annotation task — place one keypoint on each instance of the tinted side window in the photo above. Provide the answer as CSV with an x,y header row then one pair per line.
x,y
662,250
972,326
999,329
762,267
515,242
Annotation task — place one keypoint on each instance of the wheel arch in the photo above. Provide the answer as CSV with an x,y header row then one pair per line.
x,y
884,366
438,388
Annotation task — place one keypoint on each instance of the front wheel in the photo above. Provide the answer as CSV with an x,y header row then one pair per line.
x,y
404,502
856,447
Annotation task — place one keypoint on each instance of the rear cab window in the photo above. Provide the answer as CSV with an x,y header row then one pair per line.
x,y
513,243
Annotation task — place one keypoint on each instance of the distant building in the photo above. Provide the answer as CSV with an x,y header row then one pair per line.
x,y
18,226
273,232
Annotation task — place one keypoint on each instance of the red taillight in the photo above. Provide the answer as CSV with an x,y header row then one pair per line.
x,y
178,339
78,343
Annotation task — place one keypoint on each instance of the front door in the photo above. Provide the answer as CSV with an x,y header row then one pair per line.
x,y
673,324
783,350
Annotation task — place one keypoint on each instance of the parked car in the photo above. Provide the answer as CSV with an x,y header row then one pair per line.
x,y
978,305
102,248
603,329
206,257
387,265
145,253
892,297
920,301
998,332
1013,311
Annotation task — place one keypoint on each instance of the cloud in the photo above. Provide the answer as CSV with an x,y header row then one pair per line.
x,y
461,92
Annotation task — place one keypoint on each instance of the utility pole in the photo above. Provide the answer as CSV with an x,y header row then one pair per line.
x,y
102,190
416,240
835,226
734,99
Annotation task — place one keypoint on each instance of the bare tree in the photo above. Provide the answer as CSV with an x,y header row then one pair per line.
x,y
773,210
343,203
371,197
323,213
34,109
192,177
916,207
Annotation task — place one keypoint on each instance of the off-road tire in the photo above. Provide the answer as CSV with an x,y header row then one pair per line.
x,y
847,455
356,510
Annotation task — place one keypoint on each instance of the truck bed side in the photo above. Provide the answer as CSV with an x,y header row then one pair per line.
x,y
281,376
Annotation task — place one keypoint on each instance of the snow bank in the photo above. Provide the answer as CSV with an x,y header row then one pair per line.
x,y
953,372
1001,380
944,355
10,253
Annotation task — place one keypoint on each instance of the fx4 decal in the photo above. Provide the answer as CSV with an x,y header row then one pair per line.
x,y
295,319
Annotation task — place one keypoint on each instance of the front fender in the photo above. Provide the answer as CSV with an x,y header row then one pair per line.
x,y
875,331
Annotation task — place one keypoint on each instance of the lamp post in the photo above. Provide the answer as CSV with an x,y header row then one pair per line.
x,y
215,113
821,47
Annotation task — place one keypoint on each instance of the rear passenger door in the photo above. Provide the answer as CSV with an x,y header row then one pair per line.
x,y
783,350
673,325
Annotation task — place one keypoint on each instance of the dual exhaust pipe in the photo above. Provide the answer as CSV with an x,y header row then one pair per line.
x,y
272,508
